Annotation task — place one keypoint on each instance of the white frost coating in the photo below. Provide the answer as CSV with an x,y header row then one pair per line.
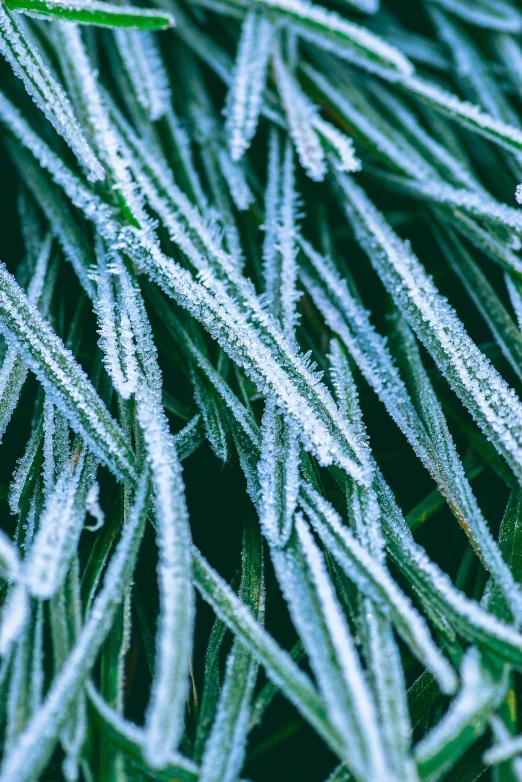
x,y
48,468
14,616
114,328
409,121
93,507
381,650
270,227
15,704
245,95
13,372
84,78
36,286
305,13
271,362
478,204
473,622
468,114
278,471
347,696
497,16
505,750
362,502
298,392
225,747
514,290
57,535
165,712
344,158
12,377
351,322
132,733
300,114
480,693
492,403
145,68
376,583
37,740
132,303
278,664
9,559
234,176
287,244
243,417
47,94
433,444
23,469
62,377
274,347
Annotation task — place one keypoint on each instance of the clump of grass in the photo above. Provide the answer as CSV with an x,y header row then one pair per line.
x,y
261,364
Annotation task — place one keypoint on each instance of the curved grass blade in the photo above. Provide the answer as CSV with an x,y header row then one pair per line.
x,y
275,365
375,582
129,738
483,689
329,30
13,371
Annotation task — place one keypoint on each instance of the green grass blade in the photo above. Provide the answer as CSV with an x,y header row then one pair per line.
x,y
93,12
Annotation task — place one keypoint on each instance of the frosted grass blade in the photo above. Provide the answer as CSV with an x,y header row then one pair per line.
x,y
245,95
144,65
221,317
495,15
312,603
57,369
93,12
494,406
35,744
164,719
278,471
375,582
424,427
300,115
380,649
47,94
477,204
129,737
278,664
483,689
225,747
60,527
499,321
331,31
